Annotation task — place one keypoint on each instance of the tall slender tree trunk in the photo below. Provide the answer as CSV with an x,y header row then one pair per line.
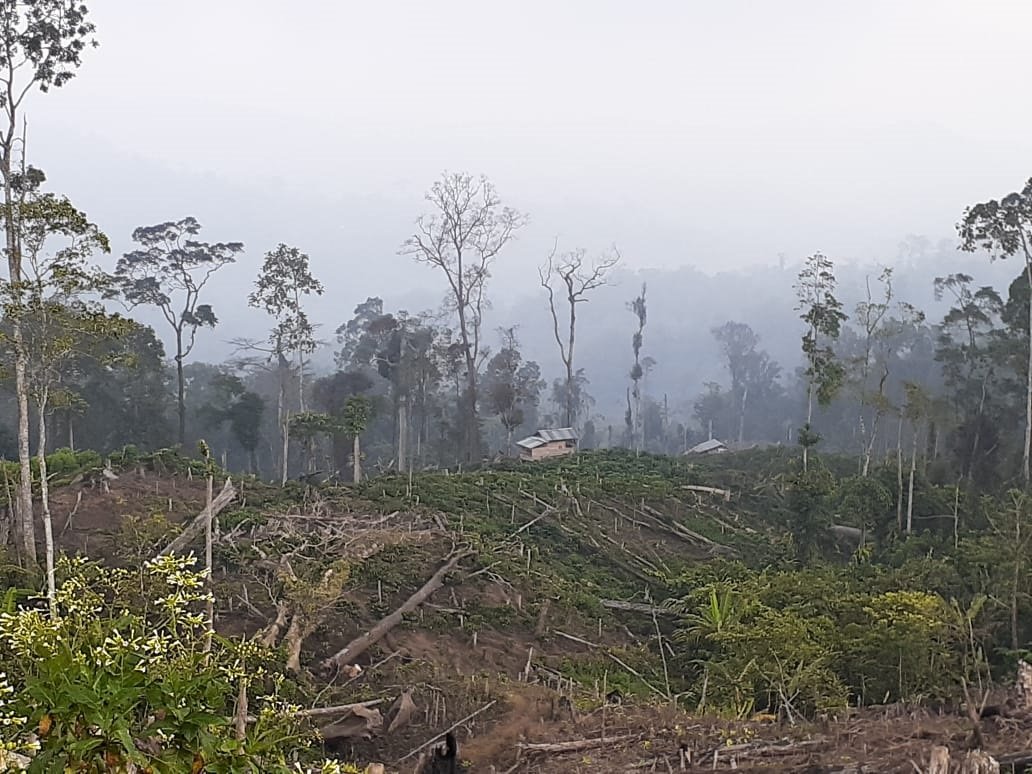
x,y
869,446
571,413
472,425
899,474
283,418
741,414
209,528
23,500
809,421
25,509
181,385
403,431
1016,585
637,432
1028,381
356,459
910,485
471,430
44,490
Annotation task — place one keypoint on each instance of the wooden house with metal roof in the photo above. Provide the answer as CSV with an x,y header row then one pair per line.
x,y
547,443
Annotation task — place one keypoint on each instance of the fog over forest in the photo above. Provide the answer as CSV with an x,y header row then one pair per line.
x,y
715,147
454,386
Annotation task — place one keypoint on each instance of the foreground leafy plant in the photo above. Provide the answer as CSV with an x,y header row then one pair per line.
x,y
120,678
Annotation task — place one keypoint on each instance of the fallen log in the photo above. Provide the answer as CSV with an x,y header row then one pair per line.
x,y
725,493
361,723
339,709
577,744
636,607
318,712
1016,760
361,644
196,527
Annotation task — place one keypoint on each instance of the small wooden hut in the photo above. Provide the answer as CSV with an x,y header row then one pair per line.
x,y
553,442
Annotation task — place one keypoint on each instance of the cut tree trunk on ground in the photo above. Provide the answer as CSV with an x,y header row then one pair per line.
x,y
979,762
361,644
636,607
270,636
300,629
197,526
940,760
361,723
577,745
725,493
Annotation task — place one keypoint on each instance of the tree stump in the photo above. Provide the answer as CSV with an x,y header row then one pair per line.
x,y
1024,686
940,760
979,762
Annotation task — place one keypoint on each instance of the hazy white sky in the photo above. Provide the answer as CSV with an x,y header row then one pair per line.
x,y
688,132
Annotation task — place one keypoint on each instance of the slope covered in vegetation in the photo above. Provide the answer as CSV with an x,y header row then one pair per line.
x,y
679,588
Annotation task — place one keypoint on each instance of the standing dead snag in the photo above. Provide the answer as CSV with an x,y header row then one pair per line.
x,y
467,228
574,280
1023,687
361,644
198,525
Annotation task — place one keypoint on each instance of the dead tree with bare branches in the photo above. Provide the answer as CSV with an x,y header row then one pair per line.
x,y
568,279
462,236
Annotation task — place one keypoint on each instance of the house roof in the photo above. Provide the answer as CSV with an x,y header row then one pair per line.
x,y
707,446
548,435
557,434
530,443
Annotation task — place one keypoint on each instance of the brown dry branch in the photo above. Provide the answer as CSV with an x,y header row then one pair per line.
x,y
448,730
197,526
362,643
620,662
71,514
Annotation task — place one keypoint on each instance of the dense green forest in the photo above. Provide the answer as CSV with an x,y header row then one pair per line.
x,y
863,543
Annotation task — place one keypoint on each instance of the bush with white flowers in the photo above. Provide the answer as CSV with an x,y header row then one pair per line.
x,y
128,677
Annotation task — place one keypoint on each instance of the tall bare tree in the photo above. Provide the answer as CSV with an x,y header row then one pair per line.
x,y
1004,228
869,316
568,279
462,236
41,47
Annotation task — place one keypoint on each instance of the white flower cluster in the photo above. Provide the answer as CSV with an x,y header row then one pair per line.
x,y
329,767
